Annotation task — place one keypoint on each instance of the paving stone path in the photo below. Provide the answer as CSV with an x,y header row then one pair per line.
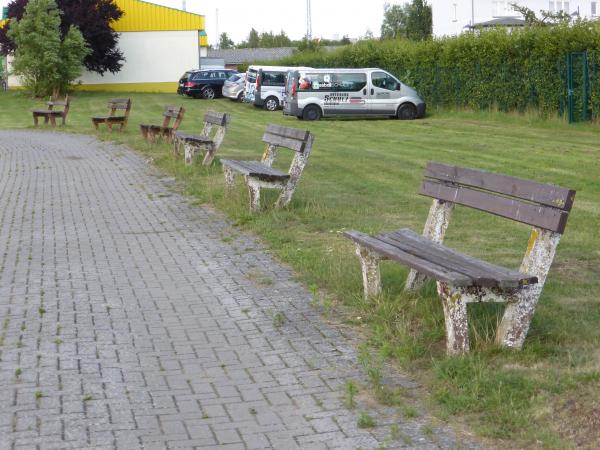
x,y
131,320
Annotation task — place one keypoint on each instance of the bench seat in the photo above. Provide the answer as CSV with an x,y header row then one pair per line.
x,y
197,138
255,169
109,118
439,261
48,112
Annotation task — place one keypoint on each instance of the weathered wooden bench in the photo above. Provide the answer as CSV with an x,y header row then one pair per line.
x,y
463,279
152,132
51,114
260,174
192,143
114,105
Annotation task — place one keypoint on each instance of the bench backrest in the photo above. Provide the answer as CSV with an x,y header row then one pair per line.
x,y
216,118
300,141
115,104
541,205
291,138
173,112
64,103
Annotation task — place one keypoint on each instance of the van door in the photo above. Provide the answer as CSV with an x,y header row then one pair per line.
x,y
384,94
344,93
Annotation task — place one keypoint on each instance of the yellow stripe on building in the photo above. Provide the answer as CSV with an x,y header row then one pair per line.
x,y
168,87
144,16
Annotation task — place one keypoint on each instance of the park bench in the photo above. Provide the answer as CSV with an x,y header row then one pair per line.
x,y
260,174
213,122
152,132
51,114
463,279
114,105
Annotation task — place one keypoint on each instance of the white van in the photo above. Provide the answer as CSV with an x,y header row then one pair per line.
x,y
315,93
265,85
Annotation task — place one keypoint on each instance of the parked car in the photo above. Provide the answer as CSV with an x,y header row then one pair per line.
x,y
265,86
315,93
234,87
204,83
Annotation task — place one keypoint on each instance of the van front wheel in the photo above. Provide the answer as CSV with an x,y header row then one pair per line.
x,y
311,112
271,104
407,111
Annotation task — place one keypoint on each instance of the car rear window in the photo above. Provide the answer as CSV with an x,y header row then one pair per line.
x,y
273,79
234,77
251,76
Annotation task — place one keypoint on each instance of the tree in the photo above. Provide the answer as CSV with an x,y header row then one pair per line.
x,y
93,18
411,21
547,17
225,42
253,39
46,62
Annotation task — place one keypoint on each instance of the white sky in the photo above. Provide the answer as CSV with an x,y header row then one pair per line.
x,y
329,17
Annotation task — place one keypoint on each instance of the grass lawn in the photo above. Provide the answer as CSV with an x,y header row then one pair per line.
x,y
364,174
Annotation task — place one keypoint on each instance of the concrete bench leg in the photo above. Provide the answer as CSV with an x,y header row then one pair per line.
x,y
369,262
254,191
537,261
435,229
455,317
189,151
229,178
209,155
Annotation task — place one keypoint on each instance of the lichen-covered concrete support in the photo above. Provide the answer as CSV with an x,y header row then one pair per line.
x,y
190,151
254,192
269,155
537,261
211,149
435,229
369,262
229,177
296,168
455,318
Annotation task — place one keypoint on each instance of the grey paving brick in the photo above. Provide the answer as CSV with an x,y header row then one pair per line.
x,y
141,328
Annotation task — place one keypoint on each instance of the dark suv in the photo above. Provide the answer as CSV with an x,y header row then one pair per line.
x,y
203,83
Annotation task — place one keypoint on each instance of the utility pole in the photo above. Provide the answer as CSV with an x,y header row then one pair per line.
x,y
308,21
183,6
217,28
472,12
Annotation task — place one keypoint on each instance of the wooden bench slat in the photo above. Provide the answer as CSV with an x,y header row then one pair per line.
x,y
216,118
255,169
292,144
546,194
546,217
483,273
427,267
200,138
291,133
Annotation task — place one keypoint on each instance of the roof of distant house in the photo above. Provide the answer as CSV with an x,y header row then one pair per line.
x,y
245,55
500,22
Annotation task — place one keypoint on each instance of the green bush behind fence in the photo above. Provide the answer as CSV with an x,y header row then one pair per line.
x,y
512,71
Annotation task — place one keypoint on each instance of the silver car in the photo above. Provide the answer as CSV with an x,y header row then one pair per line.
x,y
234,87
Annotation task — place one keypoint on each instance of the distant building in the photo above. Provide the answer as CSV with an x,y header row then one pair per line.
x,y
239,56
452,17
159,44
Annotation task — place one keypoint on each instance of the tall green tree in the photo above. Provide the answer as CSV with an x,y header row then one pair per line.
x,y
225,42
411,21
46,63
253,39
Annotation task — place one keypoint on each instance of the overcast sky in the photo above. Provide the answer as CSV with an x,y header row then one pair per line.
x,y
329,17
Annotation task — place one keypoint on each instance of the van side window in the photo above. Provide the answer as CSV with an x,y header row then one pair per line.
x,y
384,81
336,82
273,79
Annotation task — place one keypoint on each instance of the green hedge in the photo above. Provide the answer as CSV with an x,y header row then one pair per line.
x,y
519,70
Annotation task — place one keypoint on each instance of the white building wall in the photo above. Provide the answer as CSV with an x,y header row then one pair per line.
x,y
451,16
152,57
